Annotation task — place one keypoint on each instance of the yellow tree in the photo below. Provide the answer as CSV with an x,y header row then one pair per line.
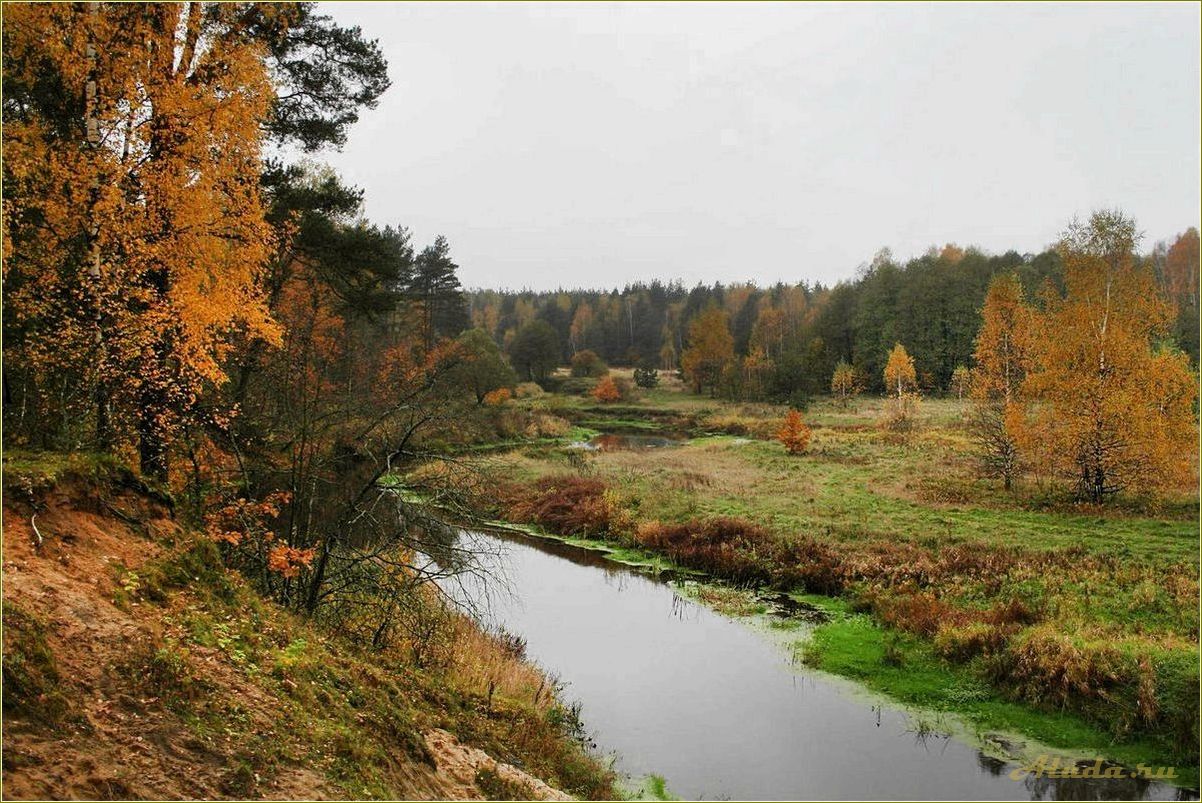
x,y
844,383
961,381
757,366
900,377
1181,269
135,236
711,349
1115,409
582,321
768,333
1003,359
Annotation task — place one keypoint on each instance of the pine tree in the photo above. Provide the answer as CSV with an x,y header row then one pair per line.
x,y
436,294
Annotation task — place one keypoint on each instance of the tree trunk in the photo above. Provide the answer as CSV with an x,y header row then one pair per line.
x,y
152,445
318,578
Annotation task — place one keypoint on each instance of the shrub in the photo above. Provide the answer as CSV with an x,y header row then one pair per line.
x,y
498,397
646,377
566,505
587,363
1057,669
963,643
900,412
804,562
724,546
922,613
529,390
544,425
794,433
607,391
1013,611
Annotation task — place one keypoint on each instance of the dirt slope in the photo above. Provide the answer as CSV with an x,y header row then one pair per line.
x,y
101,702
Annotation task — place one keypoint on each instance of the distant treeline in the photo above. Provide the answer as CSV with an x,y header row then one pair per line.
x,y
795,334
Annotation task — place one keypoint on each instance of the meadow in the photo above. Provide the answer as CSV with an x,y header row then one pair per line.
x,y
1064,608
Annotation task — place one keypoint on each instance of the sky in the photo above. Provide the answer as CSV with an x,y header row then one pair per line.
x,y
594,144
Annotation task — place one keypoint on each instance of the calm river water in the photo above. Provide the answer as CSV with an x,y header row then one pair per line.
x,y
717,708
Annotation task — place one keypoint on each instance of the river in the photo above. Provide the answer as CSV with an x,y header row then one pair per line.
x,y
717,707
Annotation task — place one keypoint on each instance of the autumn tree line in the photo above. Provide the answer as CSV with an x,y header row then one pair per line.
x,y
232,325
1083,381
785,341
225,321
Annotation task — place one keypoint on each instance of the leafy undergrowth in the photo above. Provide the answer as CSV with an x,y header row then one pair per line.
x,y
137,666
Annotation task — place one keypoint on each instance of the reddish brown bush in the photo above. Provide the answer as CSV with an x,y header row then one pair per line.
x,y
566,505
922,613
1014,611
806,563
725,546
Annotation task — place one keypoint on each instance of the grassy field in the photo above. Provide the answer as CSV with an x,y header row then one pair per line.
x,y
1058,605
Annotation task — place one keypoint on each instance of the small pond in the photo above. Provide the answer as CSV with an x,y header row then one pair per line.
x,y
614,442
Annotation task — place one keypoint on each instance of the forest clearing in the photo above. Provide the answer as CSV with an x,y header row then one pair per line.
x,y
901,528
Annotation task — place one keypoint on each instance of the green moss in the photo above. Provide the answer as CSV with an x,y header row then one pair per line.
x,y
29,474
905,669
32,683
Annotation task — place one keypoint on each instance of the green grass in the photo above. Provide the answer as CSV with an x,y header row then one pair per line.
x,y
1124,574
650,787
906,670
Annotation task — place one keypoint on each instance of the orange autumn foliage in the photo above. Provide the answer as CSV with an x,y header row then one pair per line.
x,y
794,433
1115,410
844,383
498,397
1003,360
287,561
134,237
607,390
711,349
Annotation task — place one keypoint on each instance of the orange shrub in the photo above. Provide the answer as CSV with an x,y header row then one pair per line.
x,y
607,390
922,613
498,397
794,433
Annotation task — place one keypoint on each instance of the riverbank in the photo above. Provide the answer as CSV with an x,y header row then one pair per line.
x,y
828,634
137,666
1054,609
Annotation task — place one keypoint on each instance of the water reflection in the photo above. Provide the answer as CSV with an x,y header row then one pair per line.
x,y
721,711
615,442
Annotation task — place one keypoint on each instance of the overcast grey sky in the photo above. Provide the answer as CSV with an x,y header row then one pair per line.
x,y
596,144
